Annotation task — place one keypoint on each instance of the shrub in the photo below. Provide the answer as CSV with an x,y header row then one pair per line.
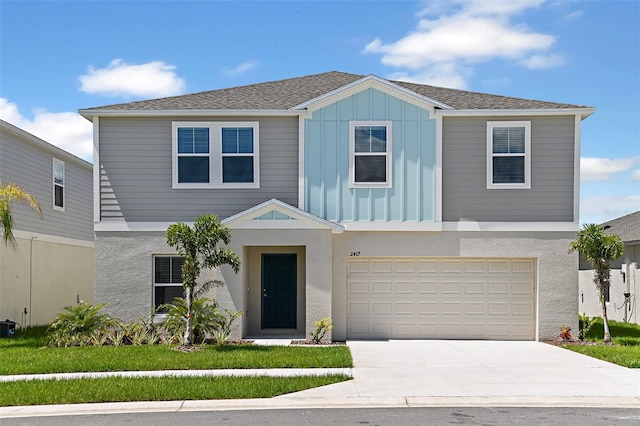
x,y
80,325
222,333
565,333
585,323
205,318
322,327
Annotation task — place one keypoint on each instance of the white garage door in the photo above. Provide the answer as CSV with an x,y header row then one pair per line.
x,y
441,298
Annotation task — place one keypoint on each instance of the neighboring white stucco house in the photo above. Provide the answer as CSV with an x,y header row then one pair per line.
x,y
398,210
625,277
52,264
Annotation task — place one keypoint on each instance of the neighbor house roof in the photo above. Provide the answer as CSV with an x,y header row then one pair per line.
x,y
627,227
288,93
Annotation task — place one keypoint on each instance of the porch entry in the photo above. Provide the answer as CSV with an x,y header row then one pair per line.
x,y
279,290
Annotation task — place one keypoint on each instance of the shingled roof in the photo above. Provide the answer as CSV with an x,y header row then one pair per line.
x,y
288,93
627,227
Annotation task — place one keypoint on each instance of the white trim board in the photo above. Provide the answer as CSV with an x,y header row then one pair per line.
x,y
55,239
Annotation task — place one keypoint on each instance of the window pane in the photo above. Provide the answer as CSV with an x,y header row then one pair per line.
x,y
516,140
166,294
237,169
378,139
362,139
371,168
193,169
58,173
176,269
508,169
500,140
162,270
193,140
59,196
237,140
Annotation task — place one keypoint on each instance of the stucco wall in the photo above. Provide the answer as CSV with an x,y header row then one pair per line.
x,y
44,275
124,273
589,299
557,276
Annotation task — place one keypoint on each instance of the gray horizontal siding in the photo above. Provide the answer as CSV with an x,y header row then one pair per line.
x,y
136,175
30,166
464,171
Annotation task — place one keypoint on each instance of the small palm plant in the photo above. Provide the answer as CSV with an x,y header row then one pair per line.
x,y
205,318
13,194
80,325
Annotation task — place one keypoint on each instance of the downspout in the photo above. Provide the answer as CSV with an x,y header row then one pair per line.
x,y
31,276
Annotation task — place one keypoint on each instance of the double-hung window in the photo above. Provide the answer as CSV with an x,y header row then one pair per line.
x,y
58,184
215,155
370,154
509,154
167,279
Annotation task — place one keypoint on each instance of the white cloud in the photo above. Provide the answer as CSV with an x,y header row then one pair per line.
x,y
599,169
472,31
153,79
66,130
635,175
542,61
602,208
442,74
574,15
240,69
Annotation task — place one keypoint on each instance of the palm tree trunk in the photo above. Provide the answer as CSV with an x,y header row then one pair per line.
x,y
187,329
605,320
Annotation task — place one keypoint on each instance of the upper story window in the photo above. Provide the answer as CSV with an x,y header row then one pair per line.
x,y
215,155
509,154
58,184
370,154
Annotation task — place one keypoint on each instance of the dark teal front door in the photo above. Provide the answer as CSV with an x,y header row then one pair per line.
x,y
279,290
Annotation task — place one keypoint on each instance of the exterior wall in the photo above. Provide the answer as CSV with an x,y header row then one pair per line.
x,y
327,192
44,275
136,174
589,297
124,274
464,173
557,278
30,165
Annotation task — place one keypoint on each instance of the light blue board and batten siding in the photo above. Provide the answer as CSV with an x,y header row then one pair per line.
x,y
411,197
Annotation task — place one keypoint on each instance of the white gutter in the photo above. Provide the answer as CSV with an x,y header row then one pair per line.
x,y
583,112
90,113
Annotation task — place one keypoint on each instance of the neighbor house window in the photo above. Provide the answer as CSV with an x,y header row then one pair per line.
x,y
58,184
215,155
370,157
509,154
167,279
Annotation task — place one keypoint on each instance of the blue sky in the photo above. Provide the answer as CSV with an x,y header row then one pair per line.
x,y
57,57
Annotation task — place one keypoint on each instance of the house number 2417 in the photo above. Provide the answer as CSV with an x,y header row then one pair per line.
x,y
354,253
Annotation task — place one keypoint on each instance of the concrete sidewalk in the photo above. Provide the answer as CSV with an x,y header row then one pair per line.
x,y
425,373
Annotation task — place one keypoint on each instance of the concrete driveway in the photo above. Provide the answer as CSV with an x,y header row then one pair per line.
x,y
504,372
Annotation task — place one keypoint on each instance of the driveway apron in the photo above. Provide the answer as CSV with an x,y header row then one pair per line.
x,y
454,368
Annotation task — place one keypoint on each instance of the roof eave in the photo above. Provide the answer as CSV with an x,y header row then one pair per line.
x,y
90,113
582,112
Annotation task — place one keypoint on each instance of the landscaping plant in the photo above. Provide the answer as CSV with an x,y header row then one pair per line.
x,y
12,194
80,325
222,333
205,318
199,247
322,327
600,249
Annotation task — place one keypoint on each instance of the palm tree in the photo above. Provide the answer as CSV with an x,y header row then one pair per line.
x,y
198,246
9,195
600,249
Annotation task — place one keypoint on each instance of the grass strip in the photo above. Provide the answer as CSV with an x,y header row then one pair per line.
x,y
626,348
49,392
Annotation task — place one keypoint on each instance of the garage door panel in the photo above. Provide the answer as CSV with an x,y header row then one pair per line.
x,y
441,298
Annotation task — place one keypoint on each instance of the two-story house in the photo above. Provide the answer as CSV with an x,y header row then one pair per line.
x,y
398,210
51,265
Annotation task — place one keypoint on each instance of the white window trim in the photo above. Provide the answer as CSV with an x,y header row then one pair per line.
x,y
352,154
54,184
215,154
527,154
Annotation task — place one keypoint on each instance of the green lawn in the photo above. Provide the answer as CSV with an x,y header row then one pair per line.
x,y
39,392
28,356
25,354
626,348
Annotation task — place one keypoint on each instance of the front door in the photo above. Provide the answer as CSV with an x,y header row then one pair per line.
x,y
279,290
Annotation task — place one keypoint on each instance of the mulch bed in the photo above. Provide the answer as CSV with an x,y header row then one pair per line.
x,y
560,342
323,343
